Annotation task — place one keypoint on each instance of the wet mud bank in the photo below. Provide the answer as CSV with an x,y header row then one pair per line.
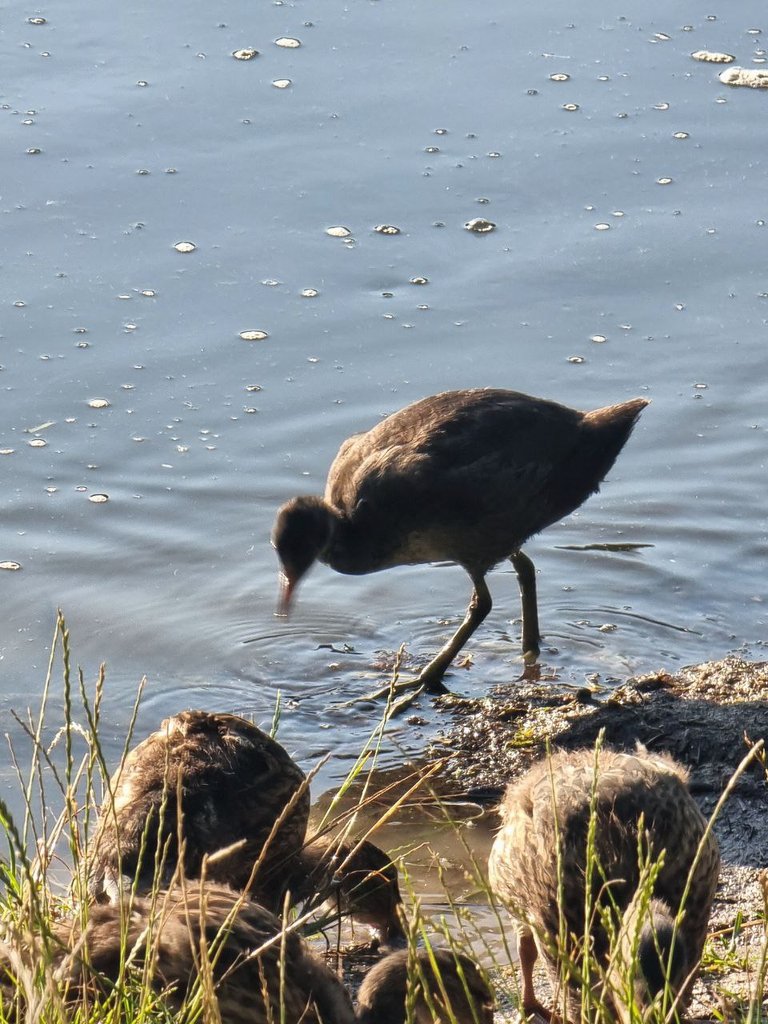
x,y
707,716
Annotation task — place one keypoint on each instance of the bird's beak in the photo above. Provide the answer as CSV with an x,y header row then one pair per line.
x,y
287,586
389,932
395,937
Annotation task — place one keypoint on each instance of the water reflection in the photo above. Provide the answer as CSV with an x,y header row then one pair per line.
x,y
206,435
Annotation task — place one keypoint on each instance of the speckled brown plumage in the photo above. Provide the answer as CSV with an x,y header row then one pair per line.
x,y
234,782
178,928
523,865
257,971
457,992
463,476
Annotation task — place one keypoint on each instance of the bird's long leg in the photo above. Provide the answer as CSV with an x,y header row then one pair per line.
x,y
526,577
431,677
528,954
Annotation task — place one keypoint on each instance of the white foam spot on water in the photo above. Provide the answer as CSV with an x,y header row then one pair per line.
x,y
752,78
480,225
713,57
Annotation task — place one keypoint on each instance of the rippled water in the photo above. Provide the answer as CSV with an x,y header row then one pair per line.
x,y
196,390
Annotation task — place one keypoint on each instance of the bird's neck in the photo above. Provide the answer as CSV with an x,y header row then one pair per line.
x,y
349,549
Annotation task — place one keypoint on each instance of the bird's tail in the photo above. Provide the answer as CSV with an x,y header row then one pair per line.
x,y
610,429
620,418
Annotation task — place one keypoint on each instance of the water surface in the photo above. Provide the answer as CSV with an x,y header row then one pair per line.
x,y
630,208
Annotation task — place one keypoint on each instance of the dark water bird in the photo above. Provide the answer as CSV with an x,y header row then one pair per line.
x,y
449,989
240,804
539,866
465,477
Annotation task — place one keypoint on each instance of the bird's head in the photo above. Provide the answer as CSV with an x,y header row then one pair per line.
x,y
301,533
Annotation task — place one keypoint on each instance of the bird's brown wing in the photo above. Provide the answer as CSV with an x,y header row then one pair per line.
x,y
444,469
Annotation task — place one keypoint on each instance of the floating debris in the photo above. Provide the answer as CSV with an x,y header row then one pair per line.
x,y
419,280
560,76
570,107
288,43
602,226
37,442
338,231
664,181
246,53
254,335
282,83
713,57
752,78
387,229
98,499
10,566
309,293
37,21
480,225
185,247
98,403
598,339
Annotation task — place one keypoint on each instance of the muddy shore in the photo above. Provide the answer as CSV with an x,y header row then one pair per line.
x,y
707,716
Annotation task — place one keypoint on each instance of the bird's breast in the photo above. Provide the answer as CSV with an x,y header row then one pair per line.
x,y
356,555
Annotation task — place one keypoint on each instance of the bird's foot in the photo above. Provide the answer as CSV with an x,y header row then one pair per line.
x,y
536,1013
403,692
531,650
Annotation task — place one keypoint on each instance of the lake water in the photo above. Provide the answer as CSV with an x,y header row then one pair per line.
x,y
628,190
